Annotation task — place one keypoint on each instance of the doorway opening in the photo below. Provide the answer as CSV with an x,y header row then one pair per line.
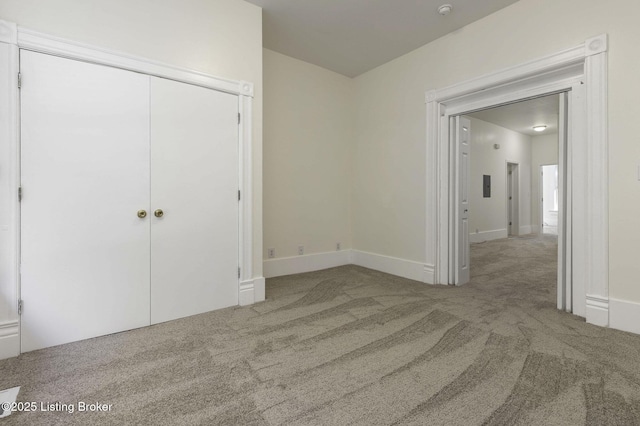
x,y
503,155
580,73
523,135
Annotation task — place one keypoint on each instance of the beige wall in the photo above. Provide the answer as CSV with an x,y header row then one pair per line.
x,y
544,151
389,161
308,134
219,37
490,214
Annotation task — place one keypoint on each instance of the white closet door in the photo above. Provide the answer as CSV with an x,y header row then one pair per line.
x,y
194,181
85,175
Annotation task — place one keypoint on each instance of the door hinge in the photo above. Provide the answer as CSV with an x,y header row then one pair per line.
x,y
238,118
238,272
19,194
238,195
20,305
19,80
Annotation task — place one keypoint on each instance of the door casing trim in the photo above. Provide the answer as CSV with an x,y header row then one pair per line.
x,y
581,69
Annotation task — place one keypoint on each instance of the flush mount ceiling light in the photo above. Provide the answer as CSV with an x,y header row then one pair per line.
x,y
445,9
539,128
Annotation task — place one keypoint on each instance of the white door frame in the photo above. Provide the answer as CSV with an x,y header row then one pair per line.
x,y
13,37
582,71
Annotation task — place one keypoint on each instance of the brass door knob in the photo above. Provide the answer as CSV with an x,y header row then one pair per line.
x,y
142,214
158,213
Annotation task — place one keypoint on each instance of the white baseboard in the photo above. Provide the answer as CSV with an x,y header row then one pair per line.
x,y
314,262
597,310
305,263
527,229
429,275
259,289
251,291
392,265
624,315
496,234
9,340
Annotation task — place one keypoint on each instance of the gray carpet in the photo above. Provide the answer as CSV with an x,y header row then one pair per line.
x,y
350,345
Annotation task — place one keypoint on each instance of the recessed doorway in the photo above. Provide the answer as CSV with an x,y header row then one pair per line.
x,y
579,73
504,153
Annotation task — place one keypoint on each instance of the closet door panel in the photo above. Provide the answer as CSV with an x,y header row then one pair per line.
x,y
194,181
85,175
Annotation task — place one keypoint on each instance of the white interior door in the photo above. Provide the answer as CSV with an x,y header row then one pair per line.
x,y
85,175
513,199
565,285
194,175
509,199
463,144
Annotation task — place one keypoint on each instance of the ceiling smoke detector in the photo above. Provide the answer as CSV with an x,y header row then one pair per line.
x,y
445,9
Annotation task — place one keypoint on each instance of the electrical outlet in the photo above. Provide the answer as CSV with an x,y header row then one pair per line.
x,y
338,247
271,253
300,250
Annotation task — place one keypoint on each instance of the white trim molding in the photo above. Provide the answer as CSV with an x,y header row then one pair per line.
x,y
514,75
597,178
246,88
624,315
9,339
314,262
581,71
392,265
482,236
9,182
259,289
45,43
252,291
305,263
597,44
598,310
245,106
429,274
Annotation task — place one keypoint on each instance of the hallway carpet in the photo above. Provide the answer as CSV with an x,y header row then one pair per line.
x,y
350,345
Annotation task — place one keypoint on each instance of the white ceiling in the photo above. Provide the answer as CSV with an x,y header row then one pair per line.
x,y
351,37
522,116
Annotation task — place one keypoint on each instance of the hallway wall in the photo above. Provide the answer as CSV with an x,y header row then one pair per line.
x,y
488,216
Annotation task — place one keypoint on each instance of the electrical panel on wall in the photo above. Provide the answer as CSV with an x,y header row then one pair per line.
x,y
486,186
